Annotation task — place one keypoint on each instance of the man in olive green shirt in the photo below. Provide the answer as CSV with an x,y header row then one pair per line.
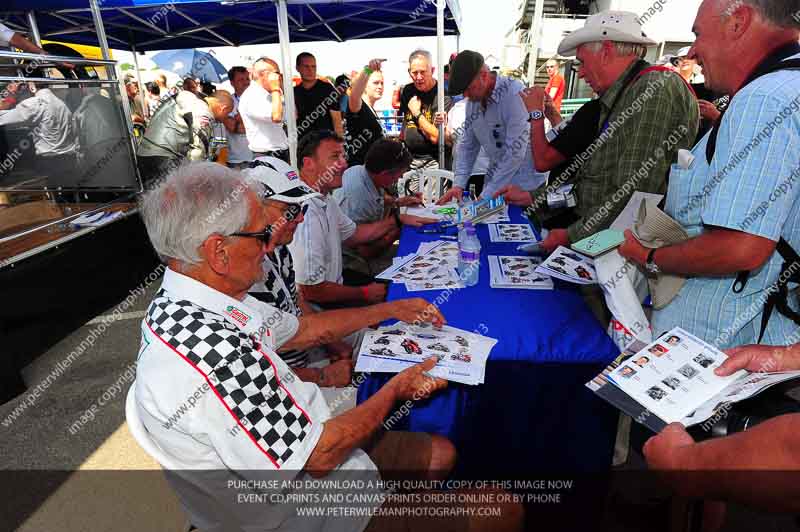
x,y
645,117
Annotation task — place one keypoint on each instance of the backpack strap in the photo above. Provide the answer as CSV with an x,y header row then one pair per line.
x,y
779,297
779,293
789,64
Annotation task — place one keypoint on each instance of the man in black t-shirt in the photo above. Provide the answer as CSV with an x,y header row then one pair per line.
x,y
418,106
317,101
362,124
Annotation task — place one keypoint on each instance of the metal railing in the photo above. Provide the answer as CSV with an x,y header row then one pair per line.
x,y
56,59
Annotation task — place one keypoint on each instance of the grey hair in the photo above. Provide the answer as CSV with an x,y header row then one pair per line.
x,y
421,53
779,13
195,201
623,49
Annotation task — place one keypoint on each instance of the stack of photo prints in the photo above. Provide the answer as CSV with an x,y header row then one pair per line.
x,y
517,272
432,267
391,349
511,233
672,379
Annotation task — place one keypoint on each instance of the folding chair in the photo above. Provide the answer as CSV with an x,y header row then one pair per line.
x,y
431,182
195,501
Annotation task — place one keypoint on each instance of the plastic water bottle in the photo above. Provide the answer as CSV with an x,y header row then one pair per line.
x,y
469,255
472,232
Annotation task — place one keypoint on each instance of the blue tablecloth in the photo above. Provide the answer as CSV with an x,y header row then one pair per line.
x,y
533,412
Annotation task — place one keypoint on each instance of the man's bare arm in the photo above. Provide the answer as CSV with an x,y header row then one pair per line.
x,y
370,232
19,41
327,327
429,130
338,125
767,455
351,430
716,252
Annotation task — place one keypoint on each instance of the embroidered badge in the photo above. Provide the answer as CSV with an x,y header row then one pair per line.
x,y
240,317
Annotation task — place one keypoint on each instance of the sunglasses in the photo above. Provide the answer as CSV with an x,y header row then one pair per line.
x,y
289,214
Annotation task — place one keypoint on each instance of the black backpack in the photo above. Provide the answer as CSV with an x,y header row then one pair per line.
x,y
778,298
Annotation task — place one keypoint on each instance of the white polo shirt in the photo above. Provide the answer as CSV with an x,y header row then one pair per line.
x,y
263,134
317,245
6,34
249,416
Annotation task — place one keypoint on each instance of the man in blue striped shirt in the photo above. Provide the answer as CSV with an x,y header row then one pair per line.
x,y
739,205
736,209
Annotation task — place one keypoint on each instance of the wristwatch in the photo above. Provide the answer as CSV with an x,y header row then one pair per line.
x,y
651,266
535,115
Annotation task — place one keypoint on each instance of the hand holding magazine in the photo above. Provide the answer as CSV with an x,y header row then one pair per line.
x,y
672,379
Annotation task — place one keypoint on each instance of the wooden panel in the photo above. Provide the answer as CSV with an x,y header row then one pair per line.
x,y
52,234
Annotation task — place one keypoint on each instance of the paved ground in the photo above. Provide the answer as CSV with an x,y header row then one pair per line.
x,y
68,473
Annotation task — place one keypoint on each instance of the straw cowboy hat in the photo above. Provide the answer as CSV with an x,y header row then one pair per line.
x,y
617,26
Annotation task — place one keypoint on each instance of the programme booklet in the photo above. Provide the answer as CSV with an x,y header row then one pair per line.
x,y
672,379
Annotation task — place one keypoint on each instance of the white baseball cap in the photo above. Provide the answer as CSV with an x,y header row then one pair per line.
x,y
683,52
617,26
281,181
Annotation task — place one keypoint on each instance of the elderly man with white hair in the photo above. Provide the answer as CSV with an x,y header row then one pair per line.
x,y
213,395
418,109
645,115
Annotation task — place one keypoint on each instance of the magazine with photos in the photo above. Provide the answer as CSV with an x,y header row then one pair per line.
x,y
672,379
517,272
570,266
461,354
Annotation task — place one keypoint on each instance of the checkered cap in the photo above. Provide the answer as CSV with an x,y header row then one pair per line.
x,y
241,375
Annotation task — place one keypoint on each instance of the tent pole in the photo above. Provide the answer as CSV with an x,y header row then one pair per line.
x,y
34,27
440,74
288,89
111,74
139,79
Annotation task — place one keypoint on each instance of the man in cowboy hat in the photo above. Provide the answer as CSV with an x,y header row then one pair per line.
x,y
640,109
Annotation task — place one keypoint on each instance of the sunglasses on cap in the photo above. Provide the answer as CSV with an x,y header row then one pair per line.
x,y
291,212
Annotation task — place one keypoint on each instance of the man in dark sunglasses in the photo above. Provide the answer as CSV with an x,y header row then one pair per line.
x,y
205,339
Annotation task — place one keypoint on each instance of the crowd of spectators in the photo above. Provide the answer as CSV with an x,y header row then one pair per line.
x,y
272,274
652,128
